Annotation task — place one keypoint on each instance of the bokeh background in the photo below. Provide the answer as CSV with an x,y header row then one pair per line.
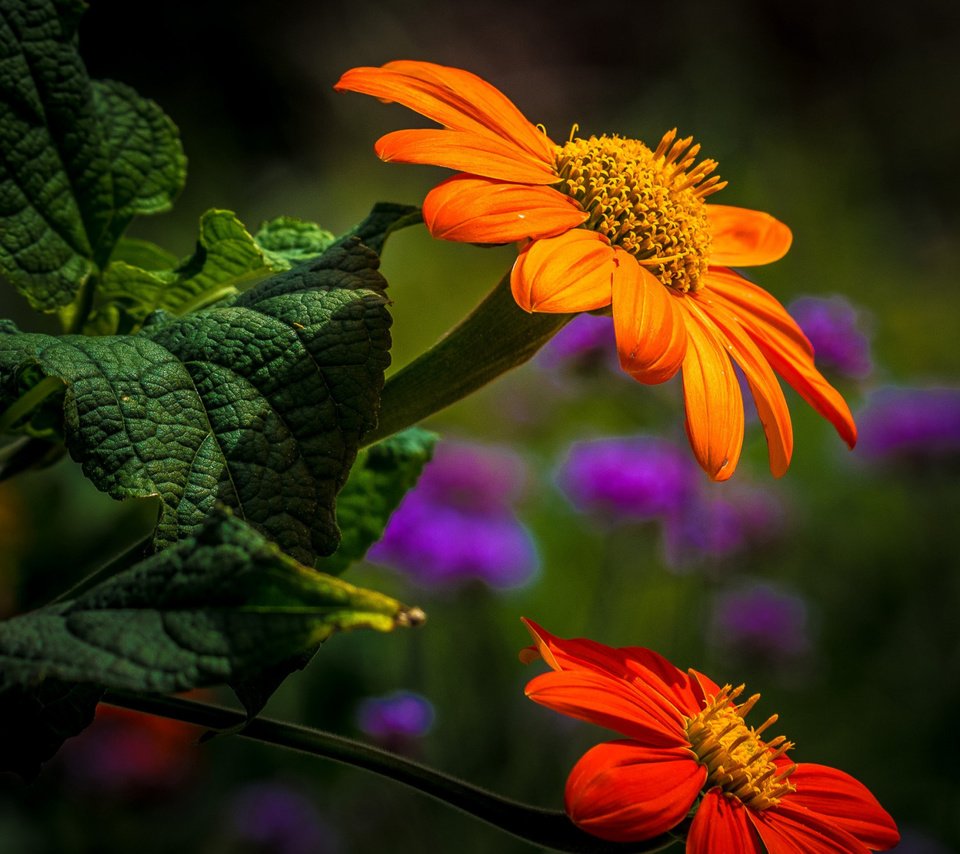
x,y
834,592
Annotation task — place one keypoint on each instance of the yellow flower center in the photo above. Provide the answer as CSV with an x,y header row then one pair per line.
x,y
736,758
650,203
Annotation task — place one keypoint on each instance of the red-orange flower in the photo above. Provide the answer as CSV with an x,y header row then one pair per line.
x,y
608,222
687,746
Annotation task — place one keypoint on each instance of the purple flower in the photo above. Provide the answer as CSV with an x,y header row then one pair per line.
x,y
458,522
722,521
280,819
396,717
916,423
761,621
631,478
586,342
833,326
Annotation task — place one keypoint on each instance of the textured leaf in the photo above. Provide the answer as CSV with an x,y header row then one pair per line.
x,y
55,185
142,146
215,607
259,402
77,159
227,259
35,721
289,241
381,476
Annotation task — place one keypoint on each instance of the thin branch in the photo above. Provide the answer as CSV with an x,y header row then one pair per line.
x,y
546,828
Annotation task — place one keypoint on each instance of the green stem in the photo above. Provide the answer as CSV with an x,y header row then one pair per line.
x,y
497,336
28,401
546,828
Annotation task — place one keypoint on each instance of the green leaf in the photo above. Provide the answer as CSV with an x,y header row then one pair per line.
x,y
381,476
77,159
214,608
142,146
35,721
289,241
143,254
227,260
259,402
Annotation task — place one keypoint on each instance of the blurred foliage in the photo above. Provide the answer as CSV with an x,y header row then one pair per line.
x,y
836,118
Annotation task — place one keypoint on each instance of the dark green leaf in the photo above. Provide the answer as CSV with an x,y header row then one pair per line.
x,y
77,159
35,721
381,476
259,402
142,146
214,608
291,241
256,690
55,184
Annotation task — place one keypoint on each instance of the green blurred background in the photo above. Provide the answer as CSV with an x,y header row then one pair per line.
x,y
840,119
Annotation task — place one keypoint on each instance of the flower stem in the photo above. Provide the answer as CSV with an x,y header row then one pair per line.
x,y
496,336
546,828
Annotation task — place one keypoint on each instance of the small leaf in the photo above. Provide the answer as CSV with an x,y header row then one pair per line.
x,y
259,402
35,721
381,476
214,608
289,241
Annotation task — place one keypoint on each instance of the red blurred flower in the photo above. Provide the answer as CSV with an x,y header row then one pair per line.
x,y
609,223
688,747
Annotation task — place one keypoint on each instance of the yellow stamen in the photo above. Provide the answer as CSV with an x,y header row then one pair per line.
x,y
736,758
649,203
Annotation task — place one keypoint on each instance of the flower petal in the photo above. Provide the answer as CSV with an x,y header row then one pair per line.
x,y
633,710
767,394
624,792
569,273
628,663
721,824
789,829
478,154
477,210
452,97
712,396
784,346
744,238
847,802
651,334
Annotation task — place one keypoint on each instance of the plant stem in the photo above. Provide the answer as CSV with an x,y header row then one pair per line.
x,y
28,401
496,336
546,828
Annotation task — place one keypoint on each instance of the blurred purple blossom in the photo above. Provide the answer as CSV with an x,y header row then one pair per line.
x,y
834,327
586,342
631,478
458,523
915,423
723,520
761,621
397,717
280,819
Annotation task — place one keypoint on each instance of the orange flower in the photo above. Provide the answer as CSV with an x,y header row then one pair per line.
x,y
687,746
606,221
